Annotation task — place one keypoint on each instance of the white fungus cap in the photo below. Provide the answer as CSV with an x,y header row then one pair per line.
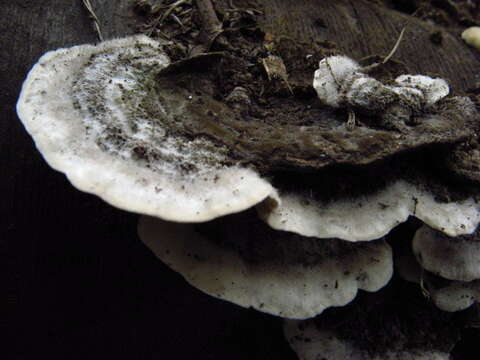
x,y
279,286
472,36
85,109
311,343
447,295
456,296
371,216
450,258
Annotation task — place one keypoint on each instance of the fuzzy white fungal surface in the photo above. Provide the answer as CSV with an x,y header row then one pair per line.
x,y
340,82
332,72
371,216
324,274
95,115
421,88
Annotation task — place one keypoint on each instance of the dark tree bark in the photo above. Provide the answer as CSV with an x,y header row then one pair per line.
x,y
360,29
76,280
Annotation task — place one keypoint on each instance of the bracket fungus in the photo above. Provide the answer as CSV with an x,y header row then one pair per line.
x,y
454,267
242,260
456,295
447,295
125,123
372,216
447,268
410,102
94,115
454,258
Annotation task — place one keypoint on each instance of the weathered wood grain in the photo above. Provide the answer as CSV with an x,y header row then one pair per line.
x,y
360,29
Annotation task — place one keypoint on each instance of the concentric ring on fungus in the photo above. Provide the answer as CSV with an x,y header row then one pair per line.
x,y
89,110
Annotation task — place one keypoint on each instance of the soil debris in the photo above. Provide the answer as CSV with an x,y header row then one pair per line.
x,y
94,17
283,125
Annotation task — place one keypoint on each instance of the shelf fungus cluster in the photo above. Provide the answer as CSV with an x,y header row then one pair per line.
x,y
448,268
286,217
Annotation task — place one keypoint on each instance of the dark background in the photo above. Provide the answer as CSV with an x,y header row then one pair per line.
x,y
75,281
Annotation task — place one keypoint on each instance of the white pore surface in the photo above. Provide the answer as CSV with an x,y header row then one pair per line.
x,y
472,36
67,116
432,90
311,343
280,287
332,72
372,216
456,296
450,258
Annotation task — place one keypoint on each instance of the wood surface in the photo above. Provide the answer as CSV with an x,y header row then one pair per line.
x,y
361,28
75,280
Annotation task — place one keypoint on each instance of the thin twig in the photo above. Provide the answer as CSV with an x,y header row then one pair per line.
x,y
156,8
369,68
171,8
177,20
332,73
425,291
96,22
185,12
167,13
397,44
233,8
366,69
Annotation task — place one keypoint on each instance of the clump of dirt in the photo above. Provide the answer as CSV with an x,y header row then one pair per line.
x,y
244,44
